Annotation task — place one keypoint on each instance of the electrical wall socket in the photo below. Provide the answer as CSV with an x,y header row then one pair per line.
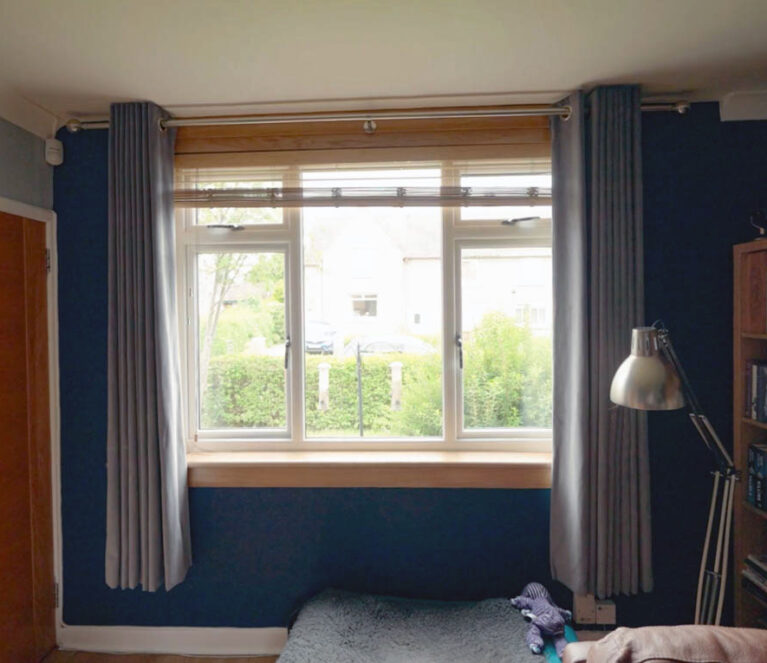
x,y
606,613
585,609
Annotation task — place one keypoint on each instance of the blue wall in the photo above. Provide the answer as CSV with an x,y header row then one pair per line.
x,y
702,179
260,552
257,553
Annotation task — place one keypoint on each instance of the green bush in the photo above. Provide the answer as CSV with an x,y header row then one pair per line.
x,y
507,376
507,383
245,392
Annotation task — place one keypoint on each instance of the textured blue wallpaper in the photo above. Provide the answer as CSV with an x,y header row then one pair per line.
x,y
259,552
702,178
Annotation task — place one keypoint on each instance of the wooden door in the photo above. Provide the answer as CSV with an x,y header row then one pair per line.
x,y
27,609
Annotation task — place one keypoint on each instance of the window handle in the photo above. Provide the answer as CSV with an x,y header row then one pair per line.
x,y
459,345
287,351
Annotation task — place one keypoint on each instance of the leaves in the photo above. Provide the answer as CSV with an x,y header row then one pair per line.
x,y
507,384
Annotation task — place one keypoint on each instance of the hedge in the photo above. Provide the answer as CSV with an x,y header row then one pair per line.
x,y
249,391
507,383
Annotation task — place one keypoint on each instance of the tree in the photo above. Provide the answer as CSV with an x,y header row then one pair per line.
x,y
225,270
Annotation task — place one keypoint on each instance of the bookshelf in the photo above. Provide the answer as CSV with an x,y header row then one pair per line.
x,y
749,342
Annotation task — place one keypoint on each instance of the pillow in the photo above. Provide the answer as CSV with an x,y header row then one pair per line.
x,y
681,644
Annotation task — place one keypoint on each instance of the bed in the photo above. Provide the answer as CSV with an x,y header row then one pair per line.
x,y
343,627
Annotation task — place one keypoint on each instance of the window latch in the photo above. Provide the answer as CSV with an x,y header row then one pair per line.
x,y
459,345
287,351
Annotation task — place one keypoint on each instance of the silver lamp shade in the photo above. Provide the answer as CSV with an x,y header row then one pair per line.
x,y
646,380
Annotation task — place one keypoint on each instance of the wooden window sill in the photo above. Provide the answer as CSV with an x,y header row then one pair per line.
x,y
370,469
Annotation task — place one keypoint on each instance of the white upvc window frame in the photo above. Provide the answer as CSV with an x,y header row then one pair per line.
x,y
192,340
286,236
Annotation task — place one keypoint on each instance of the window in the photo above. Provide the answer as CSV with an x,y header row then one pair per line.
x,y
241,314
506,376
344,305
365,305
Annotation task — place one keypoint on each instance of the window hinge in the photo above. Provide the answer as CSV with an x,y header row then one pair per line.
x,y
55,594
48,260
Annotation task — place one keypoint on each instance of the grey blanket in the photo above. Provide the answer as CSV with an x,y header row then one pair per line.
x,y
342,627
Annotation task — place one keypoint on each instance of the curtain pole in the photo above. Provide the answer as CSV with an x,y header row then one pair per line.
x,y
368,118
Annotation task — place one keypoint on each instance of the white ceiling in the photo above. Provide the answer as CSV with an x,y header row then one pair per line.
x,y
74,57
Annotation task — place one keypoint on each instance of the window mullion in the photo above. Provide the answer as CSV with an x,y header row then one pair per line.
x,y
450,368
191,336
295,323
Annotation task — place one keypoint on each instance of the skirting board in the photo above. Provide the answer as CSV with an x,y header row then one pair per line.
x,y
173,640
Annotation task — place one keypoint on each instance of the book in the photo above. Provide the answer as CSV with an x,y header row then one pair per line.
x,y
756,389
761,395
756,481
759,478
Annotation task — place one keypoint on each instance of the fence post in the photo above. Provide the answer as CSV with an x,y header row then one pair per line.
x,y
396,385
323,371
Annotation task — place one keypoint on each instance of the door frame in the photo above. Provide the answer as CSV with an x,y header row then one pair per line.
x,y
48,217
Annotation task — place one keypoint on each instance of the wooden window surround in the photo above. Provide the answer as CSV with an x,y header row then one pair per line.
x,y
308,143
370,469
346,142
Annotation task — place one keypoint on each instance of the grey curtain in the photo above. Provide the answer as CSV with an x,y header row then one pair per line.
x,y
148,541
600,500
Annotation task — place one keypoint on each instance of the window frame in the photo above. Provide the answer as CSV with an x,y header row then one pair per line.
x,y
193,337
462,432
193,239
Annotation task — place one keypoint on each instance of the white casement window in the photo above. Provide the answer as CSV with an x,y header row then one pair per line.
x,y
392,305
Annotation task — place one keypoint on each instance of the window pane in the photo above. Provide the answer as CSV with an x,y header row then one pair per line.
x,y
241,309
506,323
512,211
373,311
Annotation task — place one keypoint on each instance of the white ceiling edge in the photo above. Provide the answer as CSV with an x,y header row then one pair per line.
x,y
354,104
745,105
29,116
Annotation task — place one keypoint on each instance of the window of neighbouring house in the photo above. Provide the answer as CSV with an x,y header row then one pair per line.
x,y
365,305
361,304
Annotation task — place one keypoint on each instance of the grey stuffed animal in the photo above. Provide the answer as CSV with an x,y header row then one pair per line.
x,y
546,617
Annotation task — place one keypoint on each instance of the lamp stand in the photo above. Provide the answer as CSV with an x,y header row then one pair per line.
x,y
712,577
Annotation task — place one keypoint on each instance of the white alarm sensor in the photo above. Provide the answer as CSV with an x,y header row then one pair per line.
x,y
54,152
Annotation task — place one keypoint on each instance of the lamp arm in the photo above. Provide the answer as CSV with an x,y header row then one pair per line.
x,y
698,418
664,340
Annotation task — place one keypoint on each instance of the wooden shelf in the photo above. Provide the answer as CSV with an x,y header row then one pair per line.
x,y
370,469
749,313
756,511
754,422
748,591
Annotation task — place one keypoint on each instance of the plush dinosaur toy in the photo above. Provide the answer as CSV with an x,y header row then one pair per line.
x,y
546,617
